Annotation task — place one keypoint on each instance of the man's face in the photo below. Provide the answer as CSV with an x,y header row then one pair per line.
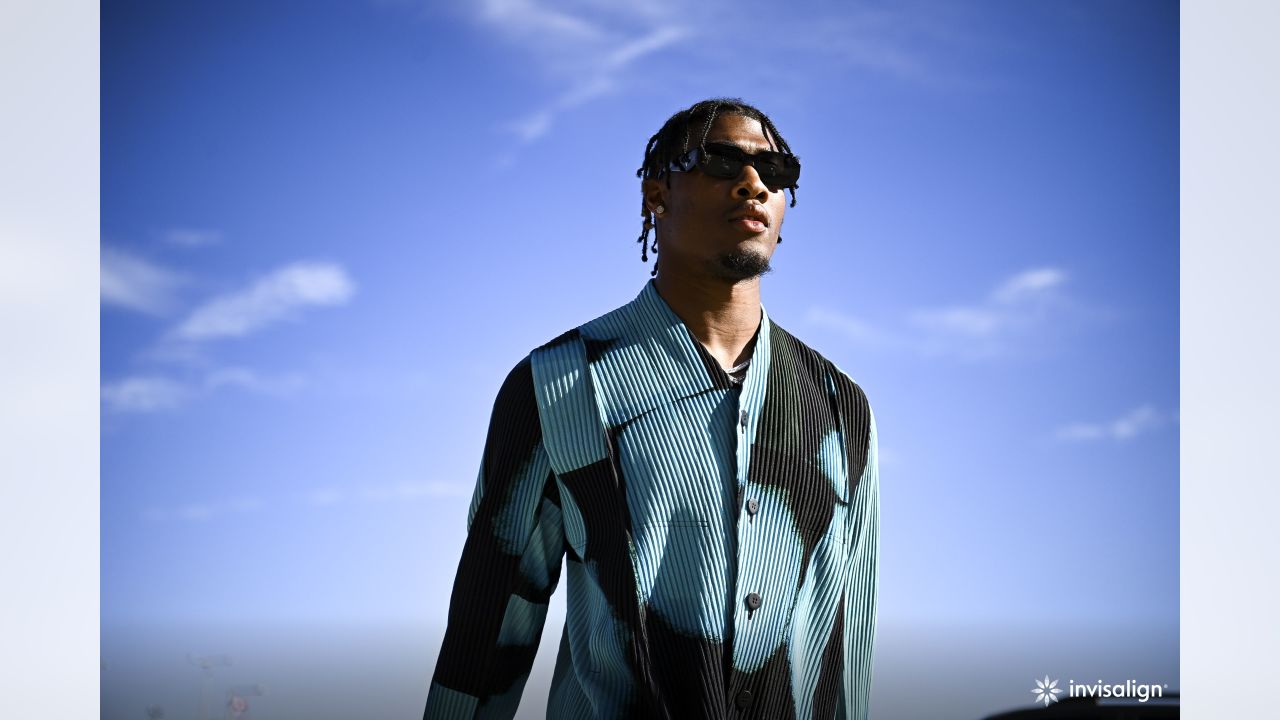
x,y
703,229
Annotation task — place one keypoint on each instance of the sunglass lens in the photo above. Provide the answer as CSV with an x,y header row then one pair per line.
x,y
779,173
722,167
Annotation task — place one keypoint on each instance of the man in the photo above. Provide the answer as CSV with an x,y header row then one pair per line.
x,y
709,480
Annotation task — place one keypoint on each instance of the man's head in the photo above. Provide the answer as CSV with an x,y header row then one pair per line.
x,y
713,180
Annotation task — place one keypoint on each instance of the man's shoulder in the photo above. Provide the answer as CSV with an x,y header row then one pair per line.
x,y
849,396
809,356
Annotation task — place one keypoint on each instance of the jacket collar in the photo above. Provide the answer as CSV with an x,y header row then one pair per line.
x,y
674,356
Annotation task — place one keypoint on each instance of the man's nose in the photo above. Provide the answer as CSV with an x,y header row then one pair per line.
x,y
750,185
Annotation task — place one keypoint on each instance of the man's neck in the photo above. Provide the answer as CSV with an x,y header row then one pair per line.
x,y
722,316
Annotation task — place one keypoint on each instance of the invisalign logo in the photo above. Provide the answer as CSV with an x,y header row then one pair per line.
x,y
1047,691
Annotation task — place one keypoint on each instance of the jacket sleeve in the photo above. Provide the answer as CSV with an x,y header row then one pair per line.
x,y
509,568
860,593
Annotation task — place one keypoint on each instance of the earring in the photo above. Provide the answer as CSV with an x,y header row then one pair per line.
x,y
660,209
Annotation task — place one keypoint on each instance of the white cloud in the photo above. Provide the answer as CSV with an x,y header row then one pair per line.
x,y
197,511
536,23
1016,307
604,78
644,45
394,492
144,395
856,329
533,126
191,237
585,47
253,381
317,498
1140,420
154,394
130,282
1028,284
417,490
902,40
1016,303
205,511
273,298
975,322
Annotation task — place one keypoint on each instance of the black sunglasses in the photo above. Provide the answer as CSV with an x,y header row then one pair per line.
x,y
777,170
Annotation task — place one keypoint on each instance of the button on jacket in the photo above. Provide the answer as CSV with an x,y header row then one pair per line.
x,y
719,540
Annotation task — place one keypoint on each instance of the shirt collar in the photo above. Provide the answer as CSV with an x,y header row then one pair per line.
x,y
674,349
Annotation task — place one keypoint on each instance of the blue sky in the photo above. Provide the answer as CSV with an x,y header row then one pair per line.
x,y
330,228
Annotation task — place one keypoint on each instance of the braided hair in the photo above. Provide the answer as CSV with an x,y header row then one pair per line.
x,y
672,141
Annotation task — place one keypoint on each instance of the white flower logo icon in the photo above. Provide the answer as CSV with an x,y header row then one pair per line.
x,y
1046,691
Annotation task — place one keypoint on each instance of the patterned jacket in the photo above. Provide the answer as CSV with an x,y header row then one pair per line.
x,y
720,544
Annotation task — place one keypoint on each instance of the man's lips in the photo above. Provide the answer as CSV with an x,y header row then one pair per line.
x,y
752,218
751,224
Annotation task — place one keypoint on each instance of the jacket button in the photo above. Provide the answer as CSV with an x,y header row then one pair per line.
x,y
743,699
753,601
742,418
753,506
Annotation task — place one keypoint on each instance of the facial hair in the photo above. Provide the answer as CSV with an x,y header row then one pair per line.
x,y
741,264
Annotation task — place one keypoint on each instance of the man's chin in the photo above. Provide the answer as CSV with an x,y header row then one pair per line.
x,y
741,264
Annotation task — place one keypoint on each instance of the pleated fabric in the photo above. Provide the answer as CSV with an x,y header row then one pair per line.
x,y
719,541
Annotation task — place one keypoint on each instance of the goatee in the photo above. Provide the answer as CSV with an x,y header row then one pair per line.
x,y
740,264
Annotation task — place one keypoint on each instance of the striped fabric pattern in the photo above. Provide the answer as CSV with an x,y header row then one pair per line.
x,y
719,539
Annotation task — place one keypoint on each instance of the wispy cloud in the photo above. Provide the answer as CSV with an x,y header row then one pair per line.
x,y
1016,303
394,492
205,511
278,296
860,331
538,24
992,326
191,237
253,381
603,79
157,394
416,490
1028,284
131,282
920,43
406,490
315,499
1138,421
144,395
585,48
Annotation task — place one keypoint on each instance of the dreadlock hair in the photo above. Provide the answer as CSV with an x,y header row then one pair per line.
x,y
673,139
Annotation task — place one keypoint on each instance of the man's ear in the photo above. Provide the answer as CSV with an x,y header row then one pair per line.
x,y
655,194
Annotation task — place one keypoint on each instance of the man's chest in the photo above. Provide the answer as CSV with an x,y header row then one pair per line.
x,y
715,458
